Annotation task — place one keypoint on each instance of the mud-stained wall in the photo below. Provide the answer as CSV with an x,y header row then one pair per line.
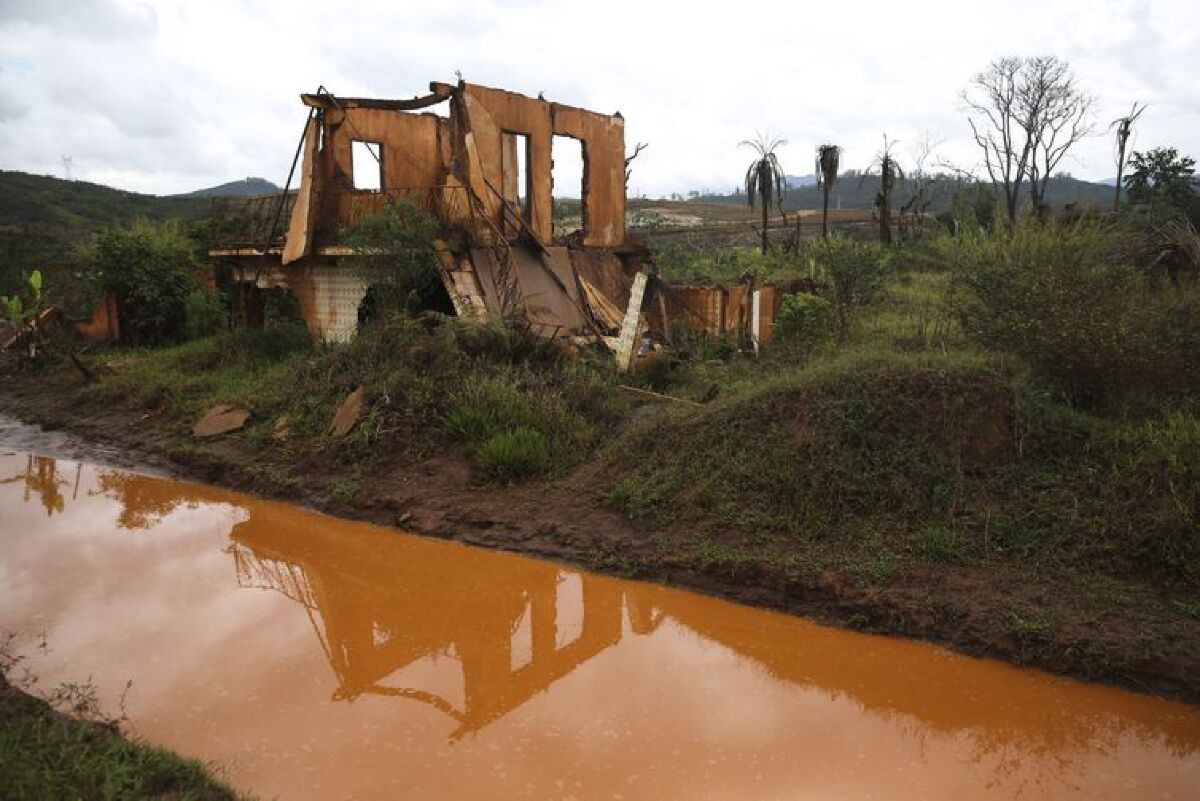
x,y
104,325
603,140
411,154
490,114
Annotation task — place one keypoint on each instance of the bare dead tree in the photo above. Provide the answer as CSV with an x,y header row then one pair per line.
x,y
921,180
764,178
828,157
1025,114
1060,116
638,148
1124,128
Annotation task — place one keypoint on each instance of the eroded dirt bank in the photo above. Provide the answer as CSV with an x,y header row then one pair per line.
x,y
983,610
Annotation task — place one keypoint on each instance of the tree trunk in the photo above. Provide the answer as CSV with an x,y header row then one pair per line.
x,y
1120,169
885,218
764,223
825,214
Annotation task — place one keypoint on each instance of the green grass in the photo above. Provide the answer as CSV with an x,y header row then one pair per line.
x,y
515,453
430,383
45,755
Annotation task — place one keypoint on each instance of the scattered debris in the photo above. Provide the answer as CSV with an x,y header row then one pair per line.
x,y
220,420
347,414
282,430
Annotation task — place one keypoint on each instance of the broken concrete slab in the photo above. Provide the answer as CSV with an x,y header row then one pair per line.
x,y
347,414
220,420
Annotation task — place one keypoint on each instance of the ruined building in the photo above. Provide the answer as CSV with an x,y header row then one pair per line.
x,y
484,171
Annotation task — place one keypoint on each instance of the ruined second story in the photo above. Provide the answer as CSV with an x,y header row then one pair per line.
x,y
481,161
477,158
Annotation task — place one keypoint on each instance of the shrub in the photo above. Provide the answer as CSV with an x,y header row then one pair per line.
x,y
396,246
204,314
1066,300
854,271
488,407
564,408
803,321
150,269
940,543
518,453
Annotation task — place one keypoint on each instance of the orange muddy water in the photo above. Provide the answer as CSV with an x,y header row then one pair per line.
x,y
313,658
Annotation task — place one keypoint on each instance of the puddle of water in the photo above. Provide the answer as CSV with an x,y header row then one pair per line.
x,y
318,658
17,436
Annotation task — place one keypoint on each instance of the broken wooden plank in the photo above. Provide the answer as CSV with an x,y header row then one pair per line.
x,y
220,420
347,414
627,341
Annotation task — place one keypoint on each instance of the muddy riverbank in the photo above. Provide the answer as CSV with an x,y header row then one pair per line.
x,y
1129,634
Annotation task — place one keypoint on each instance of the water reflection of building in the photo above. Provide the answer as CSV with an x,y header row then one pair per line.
x,y
382,603
41,477
514,626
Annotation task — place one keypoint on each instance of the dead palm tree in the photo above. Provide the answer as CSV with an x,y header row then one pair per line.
x,y
764,178
828,157
889,173
1124,126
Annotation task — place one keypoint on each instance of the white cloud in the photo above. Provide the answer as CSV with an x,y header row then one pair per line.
x,y
167,96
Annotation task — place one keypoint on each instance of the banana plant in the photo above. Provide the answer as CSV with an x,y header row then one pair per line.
x,y
20,314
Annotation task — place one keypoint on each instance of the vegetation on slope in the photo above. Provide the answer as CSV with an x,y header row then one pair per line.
x,y
63,747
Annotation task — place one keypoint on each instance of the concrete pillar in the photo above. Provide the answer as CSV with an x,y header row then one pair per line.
x,y
329,297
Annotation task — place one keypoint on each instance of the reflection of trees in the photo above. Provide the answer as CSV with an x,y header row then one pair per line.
x,y
144,501
41,476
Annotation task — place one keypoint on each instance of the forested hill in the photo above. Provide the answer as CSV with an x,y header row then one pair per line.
x,y
857,192
41,217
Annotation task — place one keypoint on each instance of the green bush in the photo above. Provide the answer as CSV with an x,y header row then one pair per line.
x,y
803,322
490,406
518,453
204,314
1066,299
855,273
1158,470
150,269
940,543
395,244
488,409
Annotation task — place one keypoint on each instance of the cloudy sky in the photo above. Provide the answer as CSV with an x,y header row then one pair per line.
x,y
167,96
